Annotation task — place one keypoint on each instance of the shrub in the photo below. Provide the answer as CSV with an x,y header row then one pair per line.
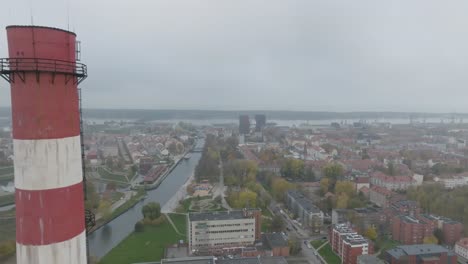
x,y
139,226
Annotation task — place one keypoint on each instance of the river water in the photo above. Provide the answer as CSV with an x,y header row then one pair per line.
x,y
107,237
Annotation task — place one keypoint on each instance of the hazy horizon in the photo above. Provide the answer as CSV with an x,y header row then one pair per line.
x,y
325,55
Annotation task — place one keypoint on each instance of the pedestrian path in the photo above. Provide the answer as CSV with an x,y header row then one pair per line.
x,y
172,224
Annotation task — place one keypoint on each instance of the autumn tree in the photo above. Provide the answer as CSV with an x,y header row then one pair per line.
x,y
151,210
243,199
92,197
333,171
430,240
277,224
325,185
371,233
293,168
279,187
207,167
294,245
104,208
240,172
342,201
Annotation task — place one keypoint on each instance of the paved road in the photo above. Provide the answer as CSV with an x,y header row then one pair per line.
x,y
310,254
220,188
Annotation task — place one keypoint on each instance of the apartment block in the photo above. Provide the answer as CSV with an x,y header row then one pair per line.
x,y
410,230
348,245
308,214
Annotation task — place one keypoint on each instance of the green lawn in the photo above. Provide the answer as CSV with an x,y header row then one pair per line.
x,y
143,247
124,207
317,243
180,221
330,257
384,244
105,174
7,199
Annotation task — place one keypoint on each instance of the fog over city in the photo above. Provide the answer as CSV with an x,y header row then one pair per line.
x,y
322,55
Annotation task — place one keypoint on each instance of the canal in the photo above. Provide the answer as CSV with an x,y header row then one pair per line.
x,y
107,237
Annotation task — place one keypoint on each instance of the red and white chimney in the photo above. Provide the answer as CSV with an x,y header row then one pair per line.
x,y
44,74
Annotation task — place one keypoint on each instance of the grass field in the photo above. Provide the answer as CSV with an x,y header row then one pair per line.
x,y
111,176
385,244
330,257
180,221
145,246
124,207
7,199
317,243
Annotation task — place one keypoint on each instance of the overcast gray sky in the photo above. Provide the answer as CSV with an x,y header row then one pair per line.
x,y
392,55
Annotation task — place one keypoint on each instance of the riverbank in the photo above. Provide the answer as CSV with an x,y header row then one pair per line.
x,y
147,246
134,200
103,240
180,195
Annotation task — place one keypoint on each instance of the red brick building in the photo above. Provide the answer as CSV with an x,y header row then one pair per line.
x,y
272,244
453,231
410,230
348,244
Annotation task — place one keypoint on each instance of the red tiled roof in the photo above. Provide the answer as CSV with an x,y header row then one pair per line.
x,y
463,242
362,165
364,190
382,190
387,178
361,180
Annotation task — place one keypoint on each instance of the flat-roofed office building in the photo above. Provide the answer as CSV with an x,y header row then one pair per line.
x,y
223,232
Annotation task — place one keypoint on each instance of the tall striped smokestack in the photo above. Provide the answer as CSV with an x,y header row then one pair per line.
x,y
43,73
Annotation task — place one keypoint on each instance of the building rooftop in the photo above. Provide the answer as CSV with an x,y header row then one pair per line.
x,y
355,239
304,202
239,261
412,250
344,229
223,215
368,259
274,240
191,260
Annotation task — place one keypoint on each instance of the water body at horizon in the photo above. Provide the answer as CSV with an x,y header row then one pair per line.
x,y
107,237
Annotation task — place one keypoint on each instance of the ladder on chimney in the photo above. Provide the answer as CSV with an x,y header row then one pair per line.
x,y
90,220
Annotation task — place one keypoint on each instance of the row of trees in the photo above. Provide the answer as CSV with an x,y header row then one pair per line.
x,y
207,168
295,169
239,172
436,199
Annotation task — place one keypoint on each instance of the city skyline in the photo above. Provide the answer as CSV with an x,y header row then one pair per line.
x,y
308,56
